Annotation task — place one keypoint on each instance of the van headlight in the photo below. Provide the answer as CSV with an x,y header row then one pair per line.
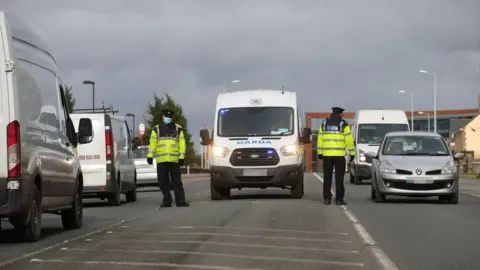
x,y
361,156
450,168
219,151
289,150
386,167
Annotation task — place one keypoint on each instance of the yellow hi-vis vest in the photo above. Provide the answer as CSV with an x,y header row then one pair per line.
x,y
334,139
167,144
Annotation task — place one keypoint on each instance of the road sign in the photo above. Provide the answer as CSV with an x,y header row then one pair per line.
x,y
141,129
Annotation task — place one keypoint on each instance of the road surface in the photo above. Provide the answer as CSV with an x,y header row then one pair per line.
x,y
263,231
267,231
423,234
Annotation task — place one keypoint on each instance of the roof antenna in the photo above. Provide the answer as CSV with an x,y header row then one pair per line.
x,y
282,90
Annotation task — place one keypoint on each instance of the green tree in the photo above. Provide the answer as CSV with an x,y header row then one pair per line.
x,y
69,98
155,113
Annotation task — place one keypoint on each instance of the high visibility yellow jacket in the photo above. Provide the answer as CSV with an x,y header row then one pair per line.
x,y
167,143
334,139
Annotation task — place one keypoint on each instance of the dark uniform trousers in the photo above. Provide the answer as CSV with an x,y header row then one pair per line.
x,y
328,164
170,176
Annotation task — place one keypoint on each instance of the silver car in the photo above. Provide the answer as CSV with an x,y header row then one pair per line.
x,y
146,173
414,164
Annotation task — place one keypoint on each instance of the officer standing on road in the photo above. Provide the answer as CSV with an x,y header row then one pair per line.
x,y
167,145
334,137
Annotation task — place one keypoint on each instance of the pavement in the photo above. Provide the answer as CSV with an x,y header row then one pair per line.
x,y
260,229
257,229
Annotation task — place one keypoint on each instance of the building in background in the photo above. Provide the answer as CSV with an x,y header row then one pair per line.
x,y
466,138
448,123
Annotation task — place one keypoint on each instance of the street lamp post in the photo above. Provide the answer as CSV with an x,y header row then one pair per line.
x,y
428,115
411,103
233,82
133,116
92,83
434,97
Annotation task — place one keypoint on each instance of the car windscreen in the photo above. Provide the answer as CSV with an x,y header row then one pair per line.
x,y
255,121
415,145
140,153
373,134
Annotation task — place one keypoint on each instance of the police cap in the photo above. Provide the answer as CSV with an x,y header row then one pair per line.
x,y
337,110
168,113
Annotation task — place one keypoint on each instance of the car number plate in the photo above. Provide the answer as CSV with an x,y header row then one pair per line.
x,y
255,172
419,180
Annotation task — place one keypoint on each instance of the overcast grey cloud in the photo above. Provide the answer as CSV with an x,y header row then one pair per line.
x,y
355,54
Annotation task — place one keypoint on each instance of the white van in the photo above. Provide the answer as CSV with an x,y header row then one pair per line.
x,y
39,169
369,128
257,142
108,163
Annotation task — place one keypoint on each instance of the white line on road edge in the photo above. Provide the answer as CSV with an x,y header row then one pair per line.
x,y
33,253
382,258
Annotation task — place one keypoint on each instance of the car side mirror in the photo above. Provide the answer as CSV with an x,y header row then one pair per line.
x,y
85,131
458,156
305,139
205,137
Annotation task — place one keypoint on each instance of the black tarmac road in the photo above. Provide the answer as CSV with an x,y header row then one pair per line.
x,y
257,229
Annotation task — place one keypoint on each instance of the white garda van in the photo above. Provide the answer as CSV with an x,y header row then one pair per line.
x,y
257,142
108,163
369,128
39,168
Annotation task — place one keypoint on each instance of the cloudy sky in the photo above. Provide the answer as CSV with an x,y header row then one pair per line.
x,y
350,53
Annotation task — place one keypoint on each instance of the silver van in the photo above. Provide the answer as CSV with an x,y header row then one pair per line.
x,y
39,168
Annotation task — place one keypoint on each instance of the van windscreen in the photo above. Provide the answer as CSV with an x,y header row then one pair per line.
x,y
256,121
373,134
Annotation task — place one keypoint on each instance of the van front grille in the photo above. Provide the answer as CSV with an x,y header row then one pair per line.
x,y
254,157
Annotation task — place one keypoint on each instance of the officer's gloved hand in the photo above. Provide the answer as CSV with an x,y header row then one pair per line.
x,y
320,157
352,158
181,162
150,160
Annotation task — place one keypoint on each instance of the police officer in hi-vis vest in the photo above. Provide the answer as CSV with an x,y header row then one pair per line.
x,y
334,139
168,146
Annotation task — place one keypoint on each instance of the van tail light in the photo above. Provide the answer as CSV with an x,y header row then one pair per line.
x,y
14,150
108,144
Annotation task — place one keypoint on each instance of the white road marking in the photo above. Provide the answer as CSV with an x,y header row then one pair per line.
x,y
250,236
171,265
377,252
57,245
229,244
258,229
225,255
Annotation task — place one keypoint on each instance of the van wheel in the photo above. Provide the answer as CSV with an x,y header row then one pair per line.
x,y
132,194
357,180
217,193
32,230
114,199
73,218
298,190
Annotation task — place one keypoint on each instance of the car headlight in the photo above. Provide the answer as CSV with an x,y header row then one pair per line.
x,y
450,168
219,151
386,167
289,150
361,156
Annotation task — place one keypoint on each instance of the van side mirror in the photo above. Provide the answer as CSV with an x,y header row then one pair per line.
x,y
205,137
305,139
85,131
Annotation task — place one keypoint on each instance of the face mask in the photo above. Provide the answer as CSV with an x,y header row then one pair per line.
x,y
167,120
